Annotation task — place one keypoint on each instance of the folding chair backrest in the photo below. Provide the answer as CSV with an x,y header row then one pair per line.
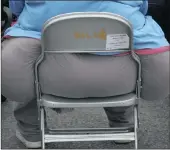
x,y
87,32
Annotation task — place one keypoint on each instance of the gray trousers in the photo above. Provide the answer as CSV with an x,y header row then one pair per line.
x,y
76,75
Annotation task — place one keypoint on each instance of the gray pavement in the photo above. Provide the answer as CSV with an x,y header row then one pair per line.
x,y
153,133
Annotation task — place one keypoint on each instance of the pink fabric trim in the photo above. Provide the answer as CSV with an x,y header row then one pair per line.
x,y
7,37
148,51
13,23
153,51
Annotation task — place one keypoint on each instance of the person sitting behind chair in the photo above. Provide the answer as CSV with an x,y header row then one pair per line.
x,y
80,75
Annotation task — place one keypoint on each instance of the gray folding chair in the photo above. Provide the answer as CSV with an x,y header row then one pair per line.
x,y
73,33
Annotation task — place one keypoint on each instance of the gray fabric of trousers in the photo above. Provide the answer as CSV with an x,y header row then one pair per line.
x,y
75,76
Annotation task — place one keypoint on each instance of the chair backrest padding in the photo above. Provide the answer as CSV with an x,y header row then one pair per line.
x,y
83,32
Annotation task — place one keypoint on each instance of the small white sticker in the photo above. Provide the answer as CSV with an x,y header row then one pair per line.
x,y
117,41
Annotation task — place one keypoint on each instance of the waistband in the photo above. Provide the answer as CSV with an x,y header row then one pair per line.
x,y
139,51
148,51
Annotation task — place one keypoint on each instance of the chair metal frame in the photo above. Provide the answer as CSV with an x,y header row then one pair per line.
x,y
94,134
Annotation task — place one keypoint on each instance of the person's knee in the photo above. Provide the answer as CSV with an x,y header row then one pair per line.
x,y
155,76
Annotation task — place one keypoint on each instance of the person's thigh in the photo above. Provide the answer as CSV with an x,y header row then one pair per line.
x,y
68,75
18,59
85,75
155,76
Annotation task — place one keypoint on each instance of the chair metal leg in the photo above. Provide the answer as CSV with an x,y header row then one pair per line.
x,y
42,112
136,125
